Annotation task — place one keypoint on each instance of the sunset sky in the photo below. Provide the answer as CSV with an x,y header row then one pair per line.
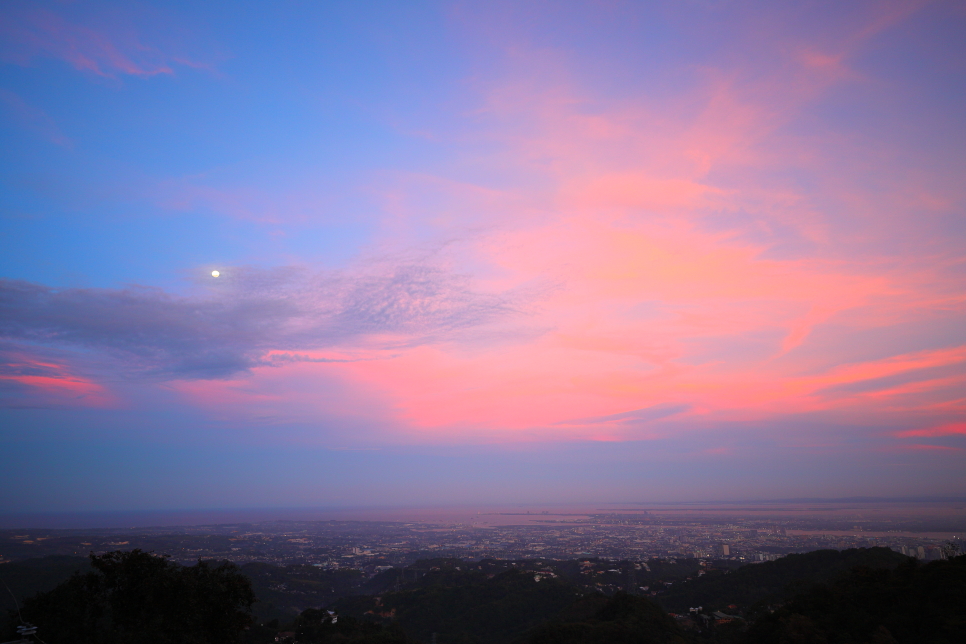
x,y
480,252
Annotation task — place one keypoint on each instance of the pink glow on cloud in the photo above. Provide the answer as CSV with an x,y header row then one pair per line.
x,y
644,301
950,429
303,394
48,383
482,249
674,261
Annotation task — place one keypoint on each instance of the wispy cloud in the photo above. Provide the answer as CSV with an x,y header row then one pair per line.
x,y
249,317
950,429
654,412
28,381
33,118
104,48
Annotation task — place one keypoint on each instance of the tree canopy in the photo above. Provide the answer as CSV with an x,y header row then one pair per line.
x,y
141,597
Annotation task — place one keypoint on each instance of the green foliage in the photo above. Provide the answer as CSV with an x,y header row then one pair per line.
x,y
138,597
621,619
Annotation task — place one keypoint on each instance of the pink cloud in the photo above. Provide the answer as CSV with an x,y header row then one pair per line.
x,y
926,448
642,296
950,429
707,253
45,383
614,214
309,401
89,43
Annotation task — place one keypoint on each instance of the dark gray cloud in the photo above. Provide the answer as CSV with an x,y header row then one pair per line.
x,y
234,320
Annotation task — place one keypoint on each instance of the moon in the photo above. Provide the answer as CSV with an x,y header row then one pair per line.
x,y
215,273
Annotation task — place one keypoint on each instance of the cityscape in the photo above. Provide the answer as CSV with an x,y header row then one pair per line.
x,y
636,535
661,553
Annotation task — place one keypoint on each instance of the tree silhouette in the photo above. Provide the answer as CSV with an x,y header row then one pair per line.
x,y
140,597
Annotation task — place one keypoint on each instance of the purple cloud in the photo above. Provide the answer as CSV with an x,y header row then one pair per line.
x,y
246,313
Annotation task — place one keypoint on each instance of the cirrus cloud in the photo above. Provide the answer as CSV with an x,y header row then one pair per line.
x,y
249,317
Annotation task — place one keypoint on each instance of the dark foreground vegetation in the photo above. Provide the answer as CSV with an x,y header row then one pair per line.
x,y
861,596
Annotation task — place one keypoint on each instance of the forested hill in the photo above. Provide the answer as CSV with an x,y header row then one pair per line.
x,y
22,579
910,604
863,596
468,604
772,581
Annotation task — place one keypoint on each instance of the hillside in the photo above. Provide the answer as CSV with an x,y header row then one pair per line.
x,y
908,604
467,605
854,596
772,581
31,576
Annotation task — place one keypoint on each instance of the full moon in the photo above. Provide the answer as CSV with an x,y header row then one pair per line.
x,y
215,273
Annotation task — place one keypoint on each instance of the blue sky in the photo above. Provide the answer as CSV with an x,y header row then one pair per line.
x,y
480,252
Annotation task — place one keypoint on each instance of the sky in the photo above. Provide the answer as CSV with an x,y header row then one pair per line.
x,y
480,252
